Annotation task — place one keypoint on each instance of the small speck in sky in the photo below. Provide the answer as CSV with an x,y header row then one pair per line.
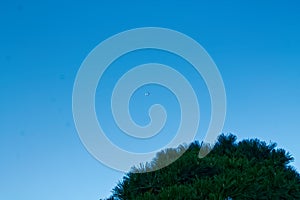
x,y
62,77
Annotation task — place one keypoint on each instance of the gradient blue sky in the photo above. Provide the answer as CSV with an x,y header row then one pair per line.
x,y
256,46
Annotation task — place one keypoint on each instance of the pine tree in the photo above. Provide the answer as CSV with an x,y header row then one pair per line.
x,y
249,169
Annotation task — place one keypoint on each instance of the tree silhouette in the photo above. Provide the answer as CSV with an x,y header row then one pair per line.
x,y
249,169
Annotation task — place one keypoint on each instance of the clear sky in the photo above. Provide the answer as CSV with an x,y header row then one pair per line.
x,y
256,46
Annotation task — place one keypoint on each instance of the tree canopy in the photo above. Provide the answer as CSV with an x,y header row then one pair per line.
x,y
249,169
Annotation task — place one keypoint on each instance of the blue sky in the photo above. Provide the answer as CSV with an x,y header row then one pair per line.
x,y
256,46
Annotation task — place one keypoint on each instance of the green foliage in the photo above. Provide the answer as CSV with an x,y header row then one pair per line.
x,y
249,169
